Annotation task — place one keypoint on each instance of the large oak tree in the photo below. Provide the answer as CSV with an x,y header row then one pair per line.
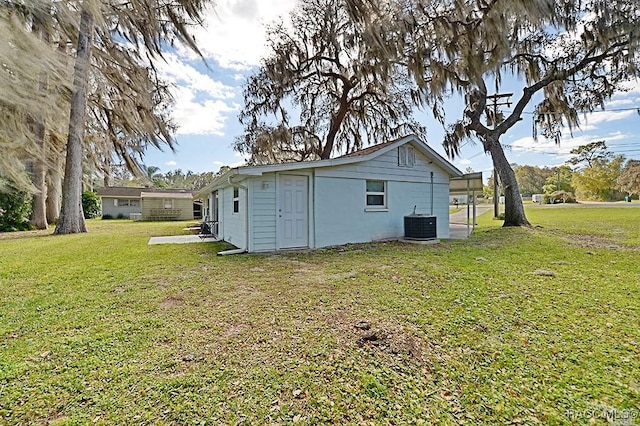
x,y
567,57
317,93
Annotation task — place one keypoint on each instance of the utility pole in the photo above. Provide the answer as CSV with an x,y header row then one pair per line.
x,y
498,99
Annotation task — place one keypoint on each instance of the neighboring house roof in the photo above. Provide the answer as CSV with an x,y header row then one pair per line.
x,y
354,157
188,195
127,191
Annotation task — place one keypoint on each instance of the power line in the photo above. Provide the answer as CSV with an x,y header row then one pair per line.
x,y
635,108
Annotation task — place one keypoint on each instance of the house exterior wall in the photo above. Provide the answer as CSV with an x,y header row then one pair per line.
x,y
342,217
110,209
338,213
263,212
341,212
232,226
184,206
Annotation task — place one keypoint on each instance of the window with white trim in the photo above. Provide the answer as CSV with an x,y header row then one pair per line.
x,y
125,202
236,200
406,156
167,203
376,194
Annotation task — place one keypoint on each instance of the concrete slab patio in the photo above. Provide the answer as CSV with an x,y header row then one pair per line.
x,y
180,239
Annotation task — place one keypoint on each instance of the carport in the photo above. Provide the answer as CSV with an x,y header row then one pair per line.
x,y
470,185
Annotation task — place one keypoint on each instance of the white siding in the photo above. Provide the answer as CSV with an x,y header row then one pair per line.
x,y
341,215
337,203
263,213
386,167
109,208
233,224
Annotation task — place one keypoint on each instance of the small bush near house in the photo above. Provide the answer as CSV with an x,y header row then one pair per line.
x,y
15,209
107,217
90,205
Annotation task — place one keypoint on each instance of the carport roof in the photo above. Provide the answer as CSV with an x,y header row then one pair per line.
x,y
470,182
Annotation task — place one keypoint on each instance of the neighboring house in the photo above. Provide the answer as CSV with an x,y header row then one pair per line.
x,y
147,203
360,197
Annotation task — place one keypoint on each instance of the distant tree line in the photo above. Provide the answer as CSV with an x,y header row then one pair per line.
x,y
16,206
593,173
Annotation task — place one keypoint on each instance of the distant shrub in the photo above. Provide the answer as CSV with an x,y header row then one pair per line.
x,y
15,209
90,205
559,197
107,217
120,216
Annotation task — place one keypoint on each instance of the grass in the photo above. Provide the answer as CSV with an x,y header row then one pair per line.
x,y
511,326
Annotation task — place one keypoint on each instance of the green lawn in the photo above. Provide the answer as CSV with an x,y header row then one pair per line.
x,y
537,325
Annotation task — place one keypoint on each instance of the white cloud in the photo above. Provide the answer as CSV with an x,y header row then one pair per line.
x,y
171,163
591,121
238,164
183,74
235,31
202,104
632,86
195,117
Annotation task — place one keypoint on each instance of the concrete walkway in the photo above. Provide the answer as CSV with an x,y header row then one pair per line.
x,y
458,229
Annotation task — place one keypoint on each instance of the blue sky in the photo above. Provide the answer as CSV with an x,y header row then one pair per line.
x,y
209,99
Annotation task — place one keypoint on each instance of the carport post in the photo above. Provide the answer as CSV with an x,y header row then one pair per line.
x,y
468,230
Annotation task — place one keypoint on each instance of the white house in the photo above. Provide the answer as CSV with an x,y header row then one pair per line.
x,y
360,197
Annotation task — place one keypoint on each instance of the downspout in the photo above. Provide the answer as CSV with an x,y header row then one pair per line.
x,y
431,193
246,220
468,225
313,206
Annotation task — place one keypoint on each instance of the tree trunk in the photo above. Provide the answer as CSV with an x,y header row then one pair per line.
x,y
54,186
71,216
336,122
39,214
513,206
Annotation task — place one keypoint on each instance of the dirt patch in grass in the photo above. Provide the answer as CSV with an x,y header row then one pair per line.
x,y
171,302
380,337
595,242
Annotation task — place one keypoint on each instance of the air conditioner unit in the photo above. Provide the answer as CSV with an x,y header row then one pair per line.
x,y
420,227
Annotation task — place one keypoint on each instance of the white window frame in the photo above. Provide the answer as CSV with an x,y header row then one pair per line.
x,y
126,202
236,200
383,193
406,156
167,202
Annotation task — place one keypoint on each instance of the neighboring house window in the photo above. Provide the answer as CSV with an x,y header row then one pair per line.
x,y
236,200
123,202
168,204
376,193
406,156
